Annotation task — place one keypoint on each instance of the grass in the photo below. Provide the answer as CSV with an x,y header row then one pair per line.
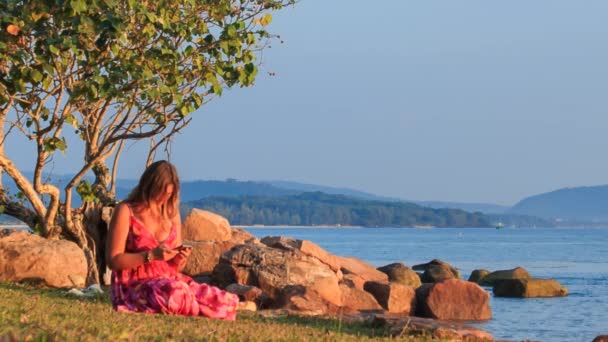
x,y
39,314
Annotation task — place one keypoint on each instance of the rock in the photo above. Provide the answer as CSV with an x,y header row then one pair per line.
x,y
364,270
307,247
441,270
355,299
601,338
438,330
399,273
353,280
393,297
248,293
29,257
247,306
204,225
438,273
516,273
273,270
240,236
528,288
477,275
205,257
453,299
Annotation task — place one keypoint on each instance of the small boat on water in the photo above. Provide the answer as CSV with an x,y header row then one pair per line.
x,y
500,225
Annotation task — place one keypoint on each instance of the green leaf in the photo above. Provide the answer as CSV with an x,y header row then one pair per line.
x,y
36,76
54,50
85,190
2,209
78,6
266,19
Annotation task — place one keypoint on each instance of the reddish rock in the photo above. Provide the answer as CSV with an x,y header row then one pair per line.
x,y
205,256
248,293
314,250
203,225
247,306
273,270
529,288
477,275
364,270
226,274
399,273
393,297
240,236
355,299
437,270
29,257
601,338
516,273
453,299
353,280
438,330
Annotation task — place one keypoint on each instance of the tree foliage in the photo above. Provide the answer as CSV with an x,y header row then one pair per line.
x,y
110,71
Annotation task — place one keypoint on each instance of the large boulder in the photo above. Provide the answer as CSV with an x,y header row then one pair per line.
x,y
307,247
529,288
28,257
601,338
201,225
280,273
453,299
362,269
436,271
354,299
205,257
431,329
516,273
399,273
393,297
477,275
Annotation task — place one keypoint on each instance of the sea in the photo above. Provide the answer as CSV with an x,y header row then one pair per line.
x,y
577,258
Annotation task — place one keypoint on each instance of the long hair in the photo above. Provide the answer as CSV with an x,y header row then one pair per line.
x,y
154,182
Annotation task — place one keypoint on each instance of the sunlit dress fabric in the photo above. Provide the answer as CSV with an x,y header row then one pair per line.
x,y
158,287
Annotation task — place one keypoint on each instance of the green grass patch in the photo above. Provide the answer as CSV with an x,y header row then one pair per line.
x,y
41,314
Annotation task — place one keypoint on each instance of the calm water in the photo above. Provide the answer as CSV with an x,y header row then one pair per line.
x,y
577,258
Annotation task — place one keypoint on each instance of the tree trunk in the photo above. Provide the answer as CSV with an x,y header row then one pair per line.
x,y
93,221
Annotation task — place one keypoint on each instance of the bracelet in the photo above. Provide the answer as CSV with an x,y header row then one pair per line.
x,y
147,257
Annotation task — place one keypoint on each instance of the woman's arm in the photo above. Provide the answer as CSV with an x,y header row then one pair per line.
x,y
116,257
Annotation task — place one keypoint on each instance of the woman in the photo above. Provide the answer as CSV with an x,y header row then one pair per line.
x,y
146,255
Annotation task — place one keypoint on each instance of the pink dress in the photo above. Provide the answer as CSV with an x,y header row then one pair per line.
x,y
158,287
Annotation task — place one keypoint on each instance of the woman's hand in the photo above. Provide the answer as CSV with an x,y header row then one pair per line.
x,y
163,253
183,252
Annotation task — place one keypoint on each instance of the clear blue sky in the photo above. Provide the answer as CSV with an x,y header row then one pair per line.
x,y
481,101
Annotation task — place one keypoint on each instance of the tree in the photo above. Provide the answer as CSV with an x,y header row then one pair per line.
x,y
111,71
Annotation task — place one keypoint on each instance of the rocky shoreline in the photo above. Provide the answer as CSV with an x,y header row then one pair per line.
x,y
278,274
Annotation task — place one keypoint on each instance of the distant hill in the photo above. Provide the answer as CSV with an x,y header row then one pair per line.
x,y
485,208
194,190
304,187
588,203
319,209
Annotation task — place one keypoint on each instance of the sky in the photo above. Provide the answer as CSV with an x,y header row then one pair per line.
x,y
469,101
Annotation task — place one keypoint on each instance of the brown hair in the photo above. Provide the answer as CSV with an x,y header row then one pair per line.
x,y
154,182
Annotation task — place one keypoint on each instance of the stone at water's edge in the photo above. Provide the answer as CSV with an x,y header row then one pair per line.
x,y
204,225
477,275
529,288
356,299
516,273
393,297
453,299
28,257
601,338
356,266
399,273
439,330
307,247
436,270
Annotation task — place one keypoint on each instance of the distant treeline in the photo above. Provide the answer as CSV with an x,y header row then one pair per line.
x,y
316,208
